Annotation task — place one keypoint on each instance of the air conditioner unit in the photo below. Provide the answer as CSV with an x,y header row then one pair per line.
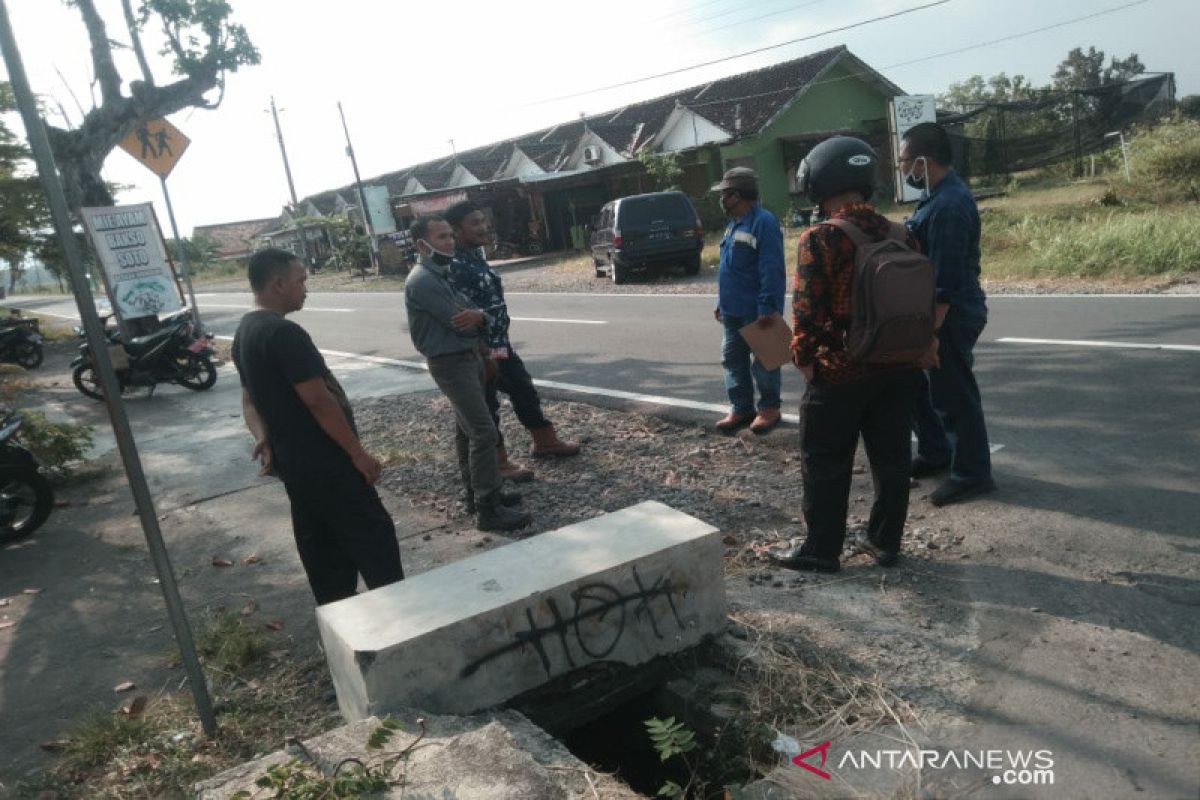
x,y
591,155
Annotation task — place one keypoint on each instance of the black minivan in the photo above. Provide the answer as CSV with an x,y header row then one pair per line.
x,y
645,231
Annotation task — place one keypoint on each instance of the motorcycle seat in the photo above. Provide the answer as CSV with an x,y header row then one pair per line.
x,y
143,344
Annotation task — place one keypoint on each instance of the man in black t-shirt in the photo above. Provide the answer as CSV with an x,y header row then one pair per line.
x,y
304,432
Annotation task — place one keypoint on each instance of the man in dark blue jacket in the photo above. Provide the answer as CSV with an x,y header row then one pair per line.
x,y
751,284
946,223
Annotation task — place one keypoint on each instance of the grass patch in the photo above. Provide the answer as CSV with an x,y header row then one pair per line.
x,y
162,752
1059,241
230,641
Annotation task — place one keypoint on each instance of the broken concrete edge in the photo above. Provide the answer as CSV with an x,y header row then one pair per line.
x,y
499,755
624,587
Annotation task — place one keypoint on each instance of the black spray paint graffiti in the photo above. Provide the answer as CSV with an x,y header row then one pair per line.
x,y
592,602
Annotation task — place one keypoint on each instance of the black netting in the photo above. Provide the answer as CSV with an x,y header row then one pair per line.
x,y
1002,138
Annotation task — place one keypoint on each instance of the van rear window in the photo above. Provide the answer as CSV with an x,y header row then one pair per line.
x,y
671,208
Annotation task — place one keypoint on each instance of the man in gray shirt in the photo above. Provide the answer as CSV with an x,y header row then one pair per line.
x,y
447,329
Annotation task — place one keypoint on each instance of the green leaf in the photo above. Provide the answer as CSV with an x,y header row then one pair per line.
x,y
670,789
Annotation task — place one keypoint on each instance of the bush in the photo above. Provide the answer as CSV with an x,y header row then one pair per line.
x,y
1166,159
56,444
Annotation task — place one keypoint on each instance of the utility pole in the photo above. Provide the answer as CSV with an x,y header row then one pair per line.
x,y
287,168
39,143
362,196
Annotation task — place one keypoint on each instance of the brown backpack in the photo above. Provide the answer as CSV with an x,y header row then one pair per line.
x,y
891,298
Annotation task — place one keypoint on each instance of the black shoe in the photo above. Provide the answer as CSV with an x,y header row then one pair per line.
x,y
494,516
801,559
882,556
467,497
953,491
923,469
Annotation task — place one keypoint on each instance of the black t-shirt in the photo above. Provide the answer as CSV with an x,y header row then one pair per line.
x,y
272,355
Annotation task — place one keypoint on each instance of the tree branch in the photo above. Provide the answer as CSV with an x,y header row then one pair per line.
x,y
135,38
102,60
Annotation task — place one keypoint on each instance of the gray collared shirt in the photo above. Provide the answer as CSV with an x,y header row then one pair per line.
x,y
431,302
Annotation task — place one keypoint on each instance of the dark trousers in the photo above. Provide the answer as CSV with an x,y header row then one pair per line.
x,y
514,380
947,403
831,419
342,531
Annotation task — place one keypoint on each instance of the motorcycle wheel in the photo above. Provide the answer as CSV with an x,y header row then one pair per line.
x,y
28,497
198,373
502,251
534,249
29,355
87,381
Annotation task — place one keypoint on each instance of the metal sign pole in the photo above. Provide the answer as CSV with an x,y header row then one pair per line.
x,y
39,143
183,260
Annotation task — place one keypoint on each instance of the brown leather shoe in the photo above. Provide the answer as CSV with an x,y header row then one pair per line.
x,y
766,421
510,470
733,422
547,443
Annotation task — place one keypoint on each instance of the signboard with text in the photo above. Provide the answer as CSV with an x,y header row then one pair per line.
x,y
379,207
905,112
139,276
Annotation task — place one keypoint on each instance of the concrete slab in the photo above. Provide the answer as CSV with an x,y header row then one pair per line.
x,y
500,756
625,587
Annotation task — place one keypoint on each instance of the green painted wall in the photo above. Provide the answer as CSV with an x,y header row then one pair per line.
x,y
837,102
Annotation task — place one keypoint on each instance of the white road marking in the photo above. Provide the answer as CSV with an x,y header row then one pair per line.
x,y
564,321
240,307
1188,348
1098,296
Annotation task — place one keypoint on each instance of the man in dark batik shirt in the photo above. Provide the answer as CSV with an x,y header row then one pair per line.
x,y
471,275
947,225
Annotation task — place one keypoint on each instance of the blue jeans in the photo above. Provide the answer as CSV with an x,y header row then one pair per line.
x,y
743,372
948,404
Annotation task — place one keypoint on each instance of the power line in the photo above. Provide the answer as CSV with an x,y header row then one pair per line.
x,y
1019,35
787,10
756,51
956,51
684,10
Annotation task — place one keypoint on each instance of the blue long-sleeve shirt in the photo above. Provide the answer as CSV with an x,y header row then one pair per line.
x,y
947,226
752,278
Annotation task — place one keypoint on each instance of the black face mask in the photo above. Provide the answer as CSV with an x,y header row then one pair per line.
x,y
441,259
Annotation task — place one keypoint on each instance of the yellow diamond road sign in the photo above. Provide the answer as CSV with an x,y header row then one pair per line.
x,y
157,144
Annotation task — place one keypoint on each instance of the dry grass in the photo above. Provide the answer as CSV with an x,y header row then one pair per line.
x,y
261,698
812,696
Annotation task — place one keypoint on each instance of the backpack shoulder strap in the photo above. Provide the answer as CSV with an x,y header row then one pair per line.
x,y
850,229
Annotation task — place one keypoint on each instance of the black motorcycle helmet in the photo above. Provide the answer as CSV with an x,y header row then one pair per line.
x,y
839,164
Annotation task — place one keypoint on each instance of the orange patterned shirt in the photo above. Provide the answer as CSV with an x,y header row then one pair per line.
x,y
822,295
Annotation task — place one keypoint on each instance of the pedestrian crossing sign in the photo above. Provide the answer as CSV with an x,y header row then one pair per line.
x,y
157,144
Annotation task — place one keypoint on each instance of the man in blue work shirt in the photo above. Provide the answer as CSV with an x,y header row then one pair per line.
x,y
751,285
946,223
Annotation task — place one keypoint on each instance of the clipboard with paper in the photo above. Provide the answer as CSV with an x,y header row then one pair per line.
x,y
772,345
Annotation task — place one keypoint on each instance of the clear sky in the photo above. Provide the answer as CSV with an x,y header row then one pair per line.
x,y
413,75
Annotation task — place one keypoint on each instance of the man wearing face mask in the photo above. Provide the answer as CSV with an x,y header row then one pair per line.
x,y
751,284
447,329
946,223
471,275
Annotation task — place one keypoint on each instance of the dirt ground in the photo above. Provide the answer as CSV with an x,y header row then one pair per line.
x,y
998,614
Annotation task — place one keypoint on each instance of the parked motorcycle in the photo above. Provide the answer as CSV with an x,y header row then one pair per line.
x,y
525,246
21,343
25,495
172,354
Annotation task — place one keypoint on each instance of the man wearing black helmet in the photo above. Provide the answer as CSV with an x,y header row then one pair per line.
x,y
846,396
